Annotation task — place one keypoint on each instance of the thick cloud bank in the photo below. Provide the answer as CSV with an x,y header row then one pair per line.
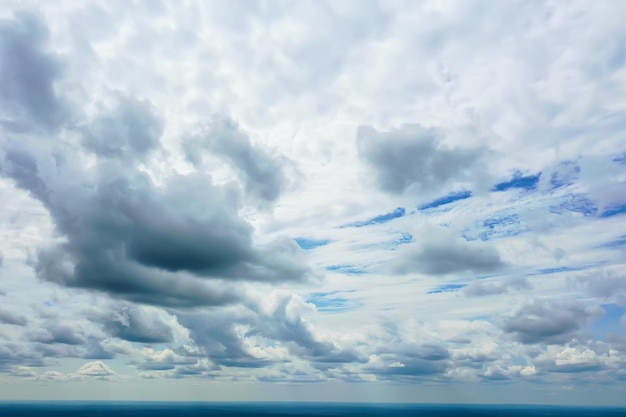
x,y
124,234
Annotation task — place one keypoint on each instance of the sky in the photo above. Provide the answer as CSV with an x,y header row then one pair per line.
x,y
313,201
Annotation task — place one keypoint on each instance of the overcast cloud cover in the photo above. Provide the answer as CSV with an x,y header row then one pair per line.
x,y
344,200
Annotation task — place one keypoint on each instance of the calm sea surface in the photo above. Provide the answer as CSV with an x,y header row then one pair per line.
x,y
181,409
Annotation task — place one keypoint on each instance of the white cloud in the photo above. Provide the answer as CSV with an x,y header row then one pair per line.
x,y
96,369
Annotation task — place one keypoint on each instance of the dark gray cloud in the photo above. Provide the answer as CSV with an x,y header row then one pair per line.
x,y
113,273
8,317
497,286
261,173
603,284
221,335
401,367
58,333
400,359
125,235
28,73
16,354
216,334
56,340
165,362
547,322
414,158
449,257
284,325
411,360
149,244
21,167
137,324
51,339
552,366
128,237
66,335
474,358
94,350
129,128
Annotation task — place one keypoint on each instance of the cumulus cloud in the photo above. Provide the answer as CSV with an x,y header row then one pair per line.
x,y
414,158
583,359
16,353
90,370
124,128
8,317
497,286
58,333
282,319
499,372
27,95
136,240
262,174
268,331
137,324
23,371
52,376
541,321
163,360
409,361
126,235
96,369
605,284
439,257
216,333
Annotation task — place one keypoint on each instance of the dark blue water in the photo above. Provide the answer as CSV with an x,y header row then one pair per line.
x,y
180,409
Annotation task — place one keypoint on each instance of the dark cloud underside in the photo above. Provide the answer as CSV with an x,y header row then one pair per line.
x,y
125,235
414,158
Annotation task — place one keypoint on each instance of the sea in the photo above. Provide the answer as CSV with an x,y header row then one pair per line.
x,y
197,409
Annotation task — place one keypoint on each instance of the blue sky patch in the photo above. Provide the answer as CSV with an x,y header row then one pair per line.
x,y
577,203
620,241
558,269
346,269
505,225
495,222
555,270
450,198
447,288
332,302
308,244
405,238
566,174
383,218
614,211
501,226
620,159
528,182
610,322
